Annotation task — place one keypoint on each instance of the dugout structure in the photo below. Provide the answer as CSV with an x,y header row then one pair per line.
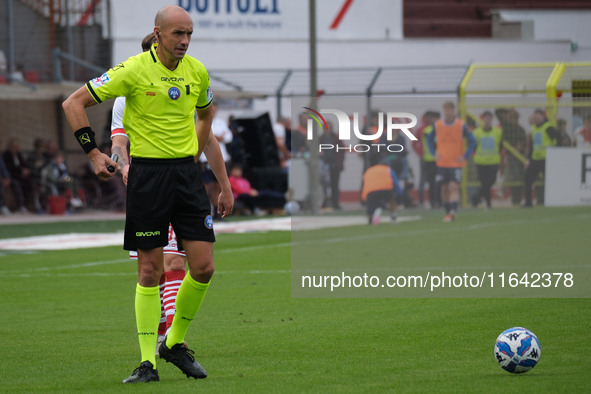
x,y
512,92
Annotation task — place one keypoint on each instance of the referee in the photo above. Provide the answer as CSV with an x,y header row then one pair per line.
x,y
163,87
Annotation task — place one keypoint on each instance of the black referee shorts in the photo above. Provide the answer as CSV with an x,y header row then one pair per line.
x,y
162,191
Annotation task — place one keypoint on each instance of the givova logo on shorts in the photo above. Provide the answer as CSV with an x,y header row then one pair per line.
x,y
147,233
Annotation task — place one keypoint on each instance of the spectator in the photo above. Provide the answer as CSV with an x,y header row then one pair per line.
x,y
331,163
236,147
542,136
428,168
376,121
39,157
253,199
286,123
280,138
398,160
299,142
37,160
487,157
4,184
399,163
379,185
56,177
514,137
583,134
20,174
223,134
51,149
561,127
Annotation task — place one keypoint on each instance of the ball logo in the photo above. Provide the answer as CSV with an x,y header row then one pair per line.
x,y
208,222
174,93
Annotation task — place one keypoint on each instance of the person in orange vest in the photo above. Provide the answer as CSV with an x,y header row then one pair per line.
x,y
379,185
446,144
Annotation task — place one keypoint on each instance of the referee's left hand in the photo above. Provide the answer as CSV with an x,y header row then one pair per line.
x,y
225,203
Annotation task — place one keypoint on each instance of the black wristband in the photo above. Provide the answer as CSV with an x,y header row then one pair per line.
x,y
85,137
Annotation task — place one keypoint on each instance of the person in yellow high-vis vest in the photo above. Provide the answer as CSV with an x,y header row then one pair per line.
x,y
487,157
543,135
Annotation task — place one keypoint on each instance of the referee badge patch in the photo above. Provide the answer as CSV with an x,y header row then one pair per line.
x,y
174,93
208,222
100,81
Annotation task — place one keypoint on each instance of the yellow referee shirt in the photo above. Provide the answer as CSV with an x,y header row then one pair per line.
x,y
160,104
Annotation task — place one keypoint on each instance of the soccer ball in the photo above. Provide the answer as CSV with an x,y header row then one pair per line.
x,y
517,350
292,208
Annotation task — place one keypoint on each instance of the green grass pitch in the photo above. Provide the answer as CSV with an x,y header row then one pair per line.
x,y
68,322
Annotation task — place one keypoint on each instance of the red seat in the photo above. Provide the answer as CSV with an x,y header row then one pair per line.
x,y
31,76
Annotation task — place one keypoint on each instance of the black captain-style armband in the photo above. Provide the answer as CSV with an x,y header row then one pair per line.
x,y
85,137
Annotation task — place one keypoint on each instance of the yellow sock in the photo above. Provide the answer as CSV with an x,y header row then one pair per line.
x,y
188,301
147,317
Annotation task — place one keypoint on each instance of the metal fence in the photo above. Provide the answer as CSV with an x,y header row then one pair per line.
x,y
368,81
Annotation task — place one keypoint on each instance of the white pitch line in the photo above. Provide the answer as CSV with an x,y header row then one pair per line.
x,y
107,262
46,274
251,248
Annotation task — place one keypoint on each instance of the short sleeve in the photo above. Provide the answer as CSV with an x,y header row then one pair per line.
x,y
113,83
206,94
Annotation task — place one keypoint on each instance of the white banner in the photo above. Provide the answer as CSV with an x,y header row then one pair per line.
x,y
568,177
268,19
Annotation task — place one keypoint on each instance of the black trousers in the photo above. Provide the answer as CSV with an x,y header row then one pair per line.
x,y
378,199
428,174
531,174
334,175
487,175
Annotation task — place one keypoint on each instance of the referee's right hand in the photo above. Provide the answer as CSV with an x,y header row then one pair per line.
x,y
100,162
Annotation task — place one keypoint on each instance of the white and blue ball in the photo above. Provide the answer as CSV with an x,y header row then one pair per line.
x,y
517,350
292,208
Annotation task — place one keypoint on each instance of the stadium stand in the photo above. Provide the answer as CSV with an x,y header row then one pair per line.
x,y
468,18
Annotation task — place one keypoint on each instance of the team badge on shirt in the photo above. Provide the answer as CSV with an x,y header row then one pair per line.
x,y
209,94
174,93
208,222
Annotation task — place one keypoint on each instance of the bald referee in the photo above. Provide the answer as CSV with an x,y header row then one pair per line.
x,y
163,87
